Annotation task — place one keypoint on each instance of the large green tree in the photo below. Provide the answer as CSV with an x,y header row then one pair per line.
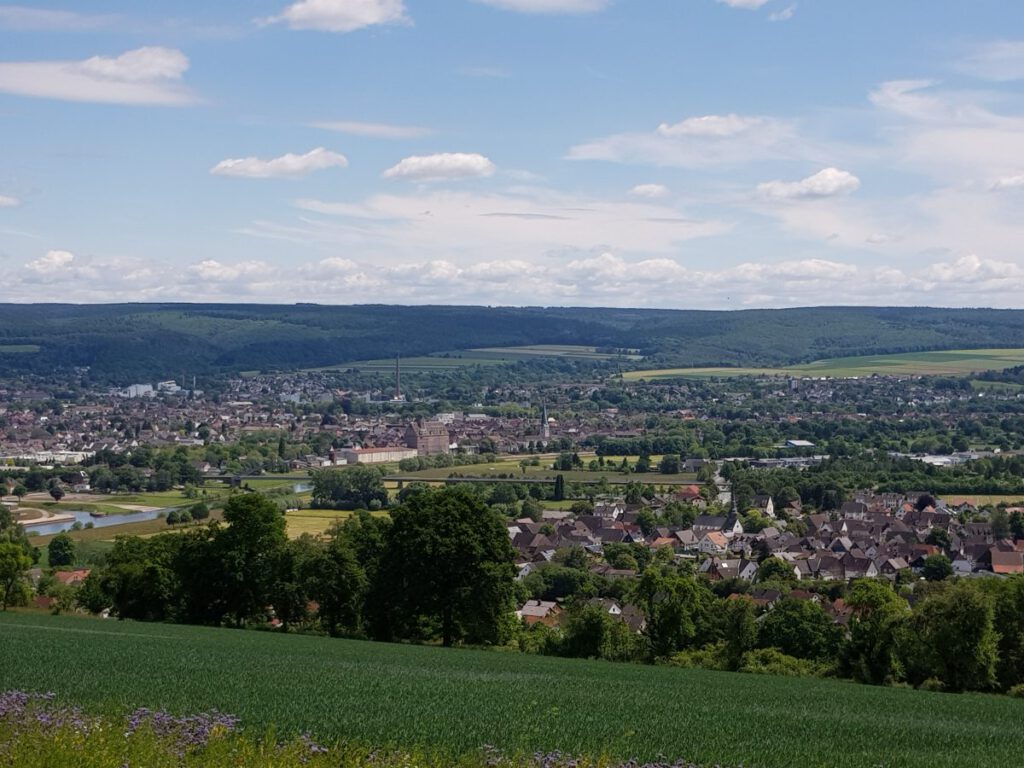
x,y
61,550
800,628
246,550
336,581
449,564
678,610
871,653
13,564
356,487
951,637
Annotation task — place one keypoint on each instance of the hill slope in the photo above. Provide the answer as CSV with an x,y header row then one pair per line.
x,y
125,341
459,700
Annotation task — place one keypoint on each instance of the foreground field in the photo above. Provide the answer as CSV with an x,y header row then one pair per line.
x,y
460,700
956,362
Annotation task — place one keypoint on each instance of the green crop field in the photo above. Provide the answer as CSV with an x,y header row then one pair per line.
x,y
18,349
956,362
459,700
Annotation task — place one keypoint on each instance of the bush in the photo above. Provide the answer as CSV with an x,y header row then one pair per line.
x,y
771,661
933,684
1017,691
708,657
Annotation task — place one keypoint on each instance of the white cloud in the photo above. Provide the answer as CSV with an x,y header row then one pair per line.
x,y
920,100
952,136
342,15
703,142
373,130
785,14
595,277
217,271
750,5
825,183
710,125
1008,182
651,191
444,223
549,6
150,75
51,263
7,201
1000,61
289,165
446,165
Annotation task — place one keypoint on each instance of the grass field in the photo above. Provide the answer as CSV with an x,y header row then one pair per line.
x,y
18,349
459,700
957,362
315,521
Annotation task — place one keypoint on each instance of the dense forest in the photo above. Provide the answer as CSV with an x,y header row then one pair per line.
x,y
147,341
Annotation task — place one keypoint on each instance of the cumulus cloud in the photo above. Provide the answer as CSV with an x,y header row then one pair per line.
x,y
593,277
825,183
150,75
750,5
373,130
651,191
999,61
549,6
286,166
51,263
341,15
6,201
446,165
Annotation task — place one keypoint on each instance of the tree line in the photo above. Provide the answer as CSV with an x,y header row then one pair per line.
x,y
438,568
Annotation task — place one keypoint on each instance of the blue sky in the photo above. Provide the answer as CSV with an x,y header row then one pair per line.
x,y
668,153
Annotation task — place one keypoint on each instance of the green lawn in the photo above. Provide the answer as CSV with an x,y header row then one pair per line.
x,y
459,700
956,362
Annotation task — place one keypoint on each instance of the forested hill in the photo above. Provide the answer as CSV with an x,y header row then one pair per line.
x,y
146,341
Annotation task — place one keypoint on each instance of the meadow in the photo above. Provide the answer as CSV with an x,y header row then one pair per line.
x,y
316,521
956,362
458,700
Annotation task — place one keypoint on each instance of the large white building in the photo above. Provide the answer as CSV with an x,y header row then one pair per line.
x,y
377,455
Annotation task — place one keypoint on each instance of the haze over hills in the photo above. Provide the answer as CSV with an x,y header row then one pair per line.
x,y
125,341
